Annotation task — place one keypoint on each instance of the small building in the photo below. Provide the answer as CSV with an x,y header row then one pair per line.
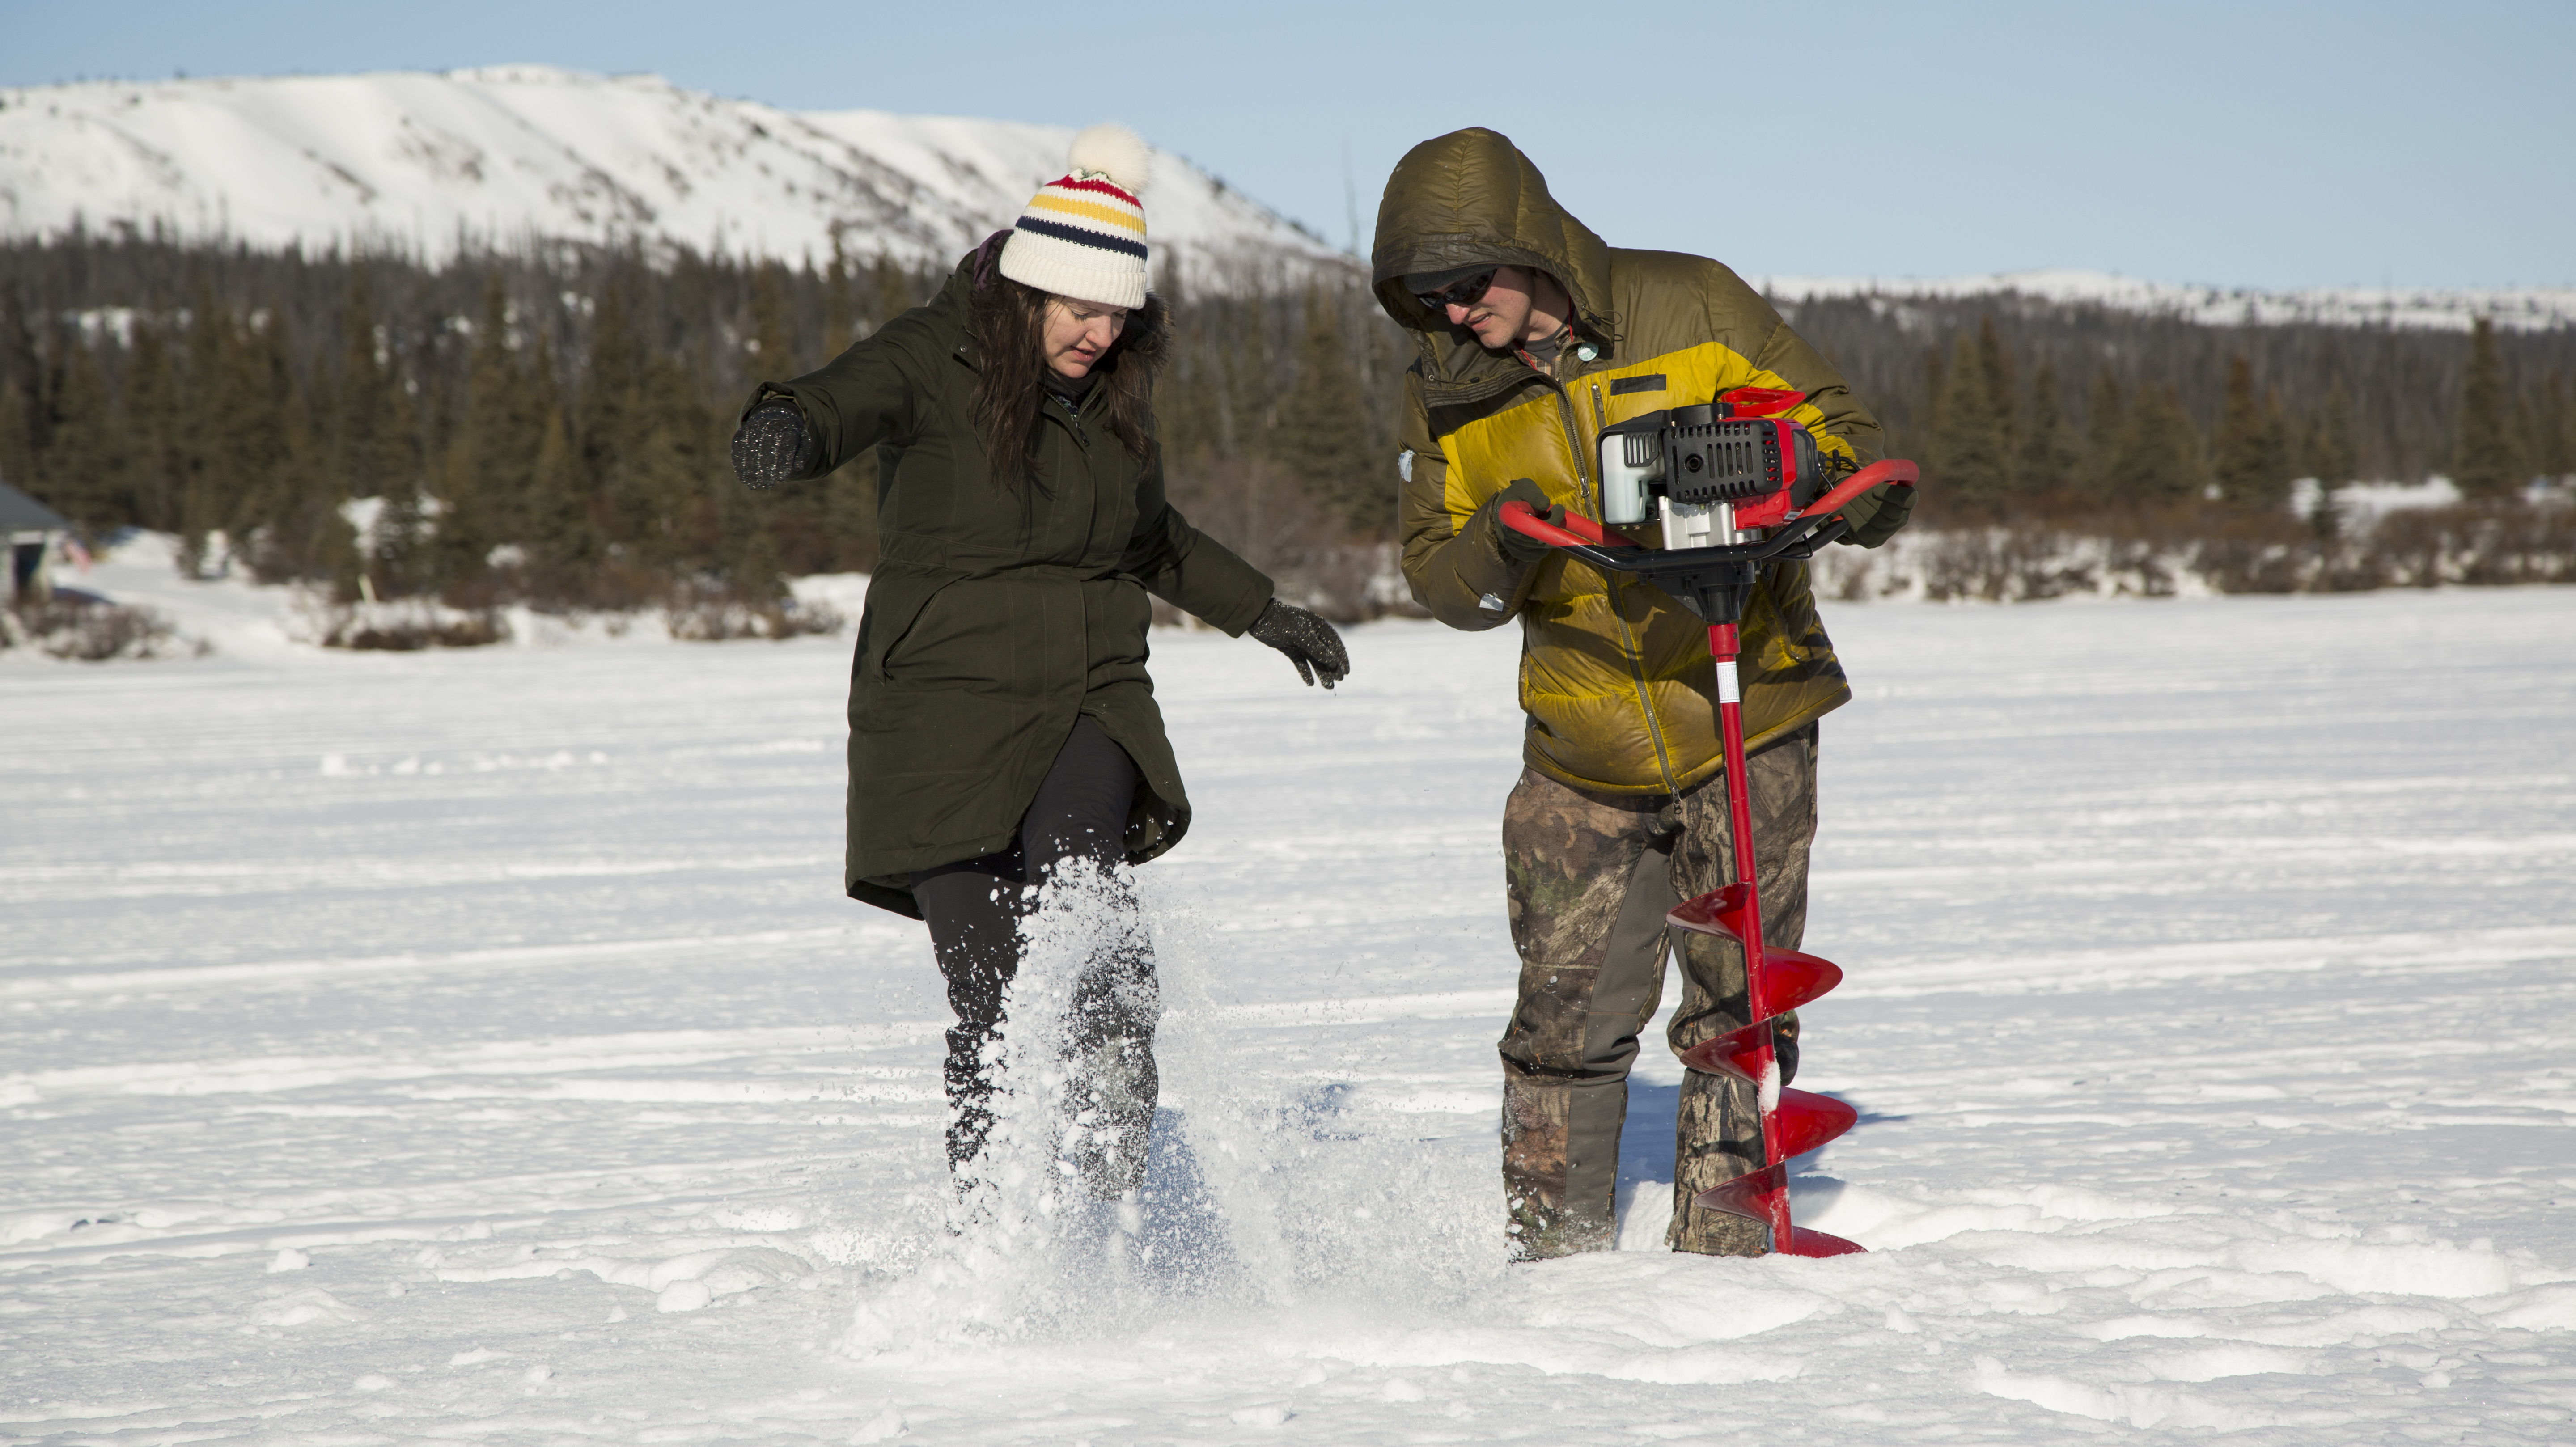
x,y
35,533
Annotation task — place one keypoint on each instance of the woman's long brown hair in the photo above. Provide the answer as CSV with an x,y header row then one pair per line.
x,y
1007,319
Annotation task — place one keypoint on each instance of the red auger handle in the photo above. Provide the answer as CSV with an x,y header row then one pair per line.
x,y
1895,471
1577,532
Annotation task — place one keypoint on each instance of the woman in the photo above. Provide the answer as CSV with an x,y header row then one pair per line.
x,y
1002,727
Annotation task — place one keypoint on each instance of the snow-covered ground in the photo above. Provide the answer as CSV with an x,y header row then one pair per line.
x,y
475,1046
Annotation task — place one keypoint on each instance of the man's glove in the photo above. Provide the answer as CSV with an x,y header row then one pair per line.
x,y
1519,546
772,445
1309,642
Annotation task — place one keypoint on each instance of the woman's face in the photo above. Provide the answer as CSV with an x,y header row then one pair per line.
x,y
1078,332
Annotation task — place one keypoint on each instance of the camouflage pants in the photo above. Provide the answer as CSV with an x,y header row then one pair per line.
x,y
1591,877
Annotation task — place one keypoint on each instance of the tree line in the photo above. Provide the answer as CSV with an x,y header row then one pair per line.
x,y
548,425
2014,403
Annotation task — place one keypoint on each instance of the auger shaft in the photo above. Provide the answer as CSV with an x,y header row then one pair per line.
x,y
1792,1120
1761,1062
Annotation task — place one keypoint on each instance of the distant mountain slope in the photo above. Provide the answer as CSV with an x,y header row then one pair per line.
x,y
425,161
2514,308
428,161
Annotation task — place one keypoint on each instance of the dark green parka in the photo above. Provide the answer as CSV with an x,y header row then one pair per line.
x,y
999,614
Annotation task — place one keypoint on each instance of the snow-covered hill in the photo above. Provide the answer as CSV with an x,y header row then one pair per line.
x,y
427,162
2515,308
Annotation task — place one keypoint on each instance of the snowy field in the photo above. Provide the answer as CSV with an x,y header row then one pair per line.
x,y
476,1047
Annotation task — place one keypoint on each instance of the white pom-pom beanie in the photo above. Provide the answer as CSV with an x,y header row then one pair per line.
x,y
1083,234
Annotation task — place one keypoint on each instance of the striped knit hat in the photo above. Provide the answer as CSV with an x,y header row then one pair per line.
x,y
1083,234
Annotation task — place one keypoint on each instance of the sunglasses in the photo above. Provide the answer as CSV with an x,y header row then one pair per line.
x,y
1457,293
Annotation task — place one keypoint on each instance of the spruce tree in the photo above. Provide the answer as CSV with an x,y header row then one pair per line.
x,y
25,393
2279,452
2483,461
840,318
1926,444
1322,436
373,450
155,407
2556,454
1971,440
2050,454
1251,403
491,462
2241,460
771,337
2105,424
565,549
893,291
604,418
2003,401
17,445
208,478
2334,450
2159,460
83,469
302,533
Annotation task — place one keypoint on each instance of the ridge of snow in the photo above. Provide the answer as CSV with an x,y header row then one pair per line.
x,y
2537,308
431,163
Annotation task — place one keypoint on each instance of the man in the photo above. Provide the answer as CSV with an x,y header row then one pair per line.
x,y
1532,336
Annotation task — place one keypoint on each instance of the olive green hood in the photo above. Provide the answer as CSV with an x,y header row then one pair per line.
x,y
1467,199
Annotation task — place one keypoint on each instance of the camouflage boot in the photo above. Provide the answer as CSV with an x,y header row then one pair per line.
x,y
1587,878
1538,1132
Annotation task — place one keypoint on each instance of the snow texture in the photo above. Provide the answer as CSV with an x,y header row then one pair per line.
x,y
475,1046
501,155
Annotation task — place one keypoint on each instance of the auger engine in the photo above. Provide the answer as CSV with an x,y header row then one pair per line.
x,y
1715,475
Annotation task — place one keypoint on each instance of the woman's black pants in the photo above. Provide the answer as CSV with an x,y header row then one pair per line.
x,y
975,909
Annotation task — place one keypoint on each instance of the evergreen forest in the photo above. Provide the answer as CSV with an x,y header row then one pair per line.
x,y
548,426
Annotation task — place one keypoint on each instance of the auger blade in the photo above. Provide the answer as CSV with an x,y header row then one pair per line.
x,y
1803,1242
1756,1197
1790,978
1806,1120
1748,1195
1718,912
1732,1053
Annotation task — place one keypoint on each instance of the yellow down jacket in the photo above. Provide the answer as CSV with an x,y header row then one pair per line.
x,y
1615,675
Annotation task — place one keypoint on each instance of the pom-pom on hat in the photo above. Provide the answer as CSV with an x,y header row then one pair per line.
x,y
1083,234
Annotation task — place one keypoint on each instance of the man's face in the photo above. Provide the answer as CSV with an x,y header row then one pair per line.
x,y
1501,317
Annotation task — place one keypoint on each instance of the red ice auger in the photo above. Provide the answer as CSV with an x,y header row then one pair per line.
x,y
1734,485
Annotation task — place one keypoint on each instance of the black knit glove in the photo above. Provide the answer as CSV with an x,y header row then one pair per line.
x,y
772,445
1519,546
1309,642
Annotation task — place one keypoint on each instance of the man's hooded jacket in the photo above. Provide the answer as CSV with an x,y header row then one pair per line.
x,y
1615,675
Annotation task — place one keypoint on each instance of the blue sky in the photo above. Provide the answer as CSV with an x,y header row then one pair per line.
x,y
2247,144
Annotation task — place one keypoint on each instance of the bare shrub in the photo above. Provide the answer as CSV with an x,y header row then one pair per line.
x,y
408,625
83,629
2503,542
706,611
1272,521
